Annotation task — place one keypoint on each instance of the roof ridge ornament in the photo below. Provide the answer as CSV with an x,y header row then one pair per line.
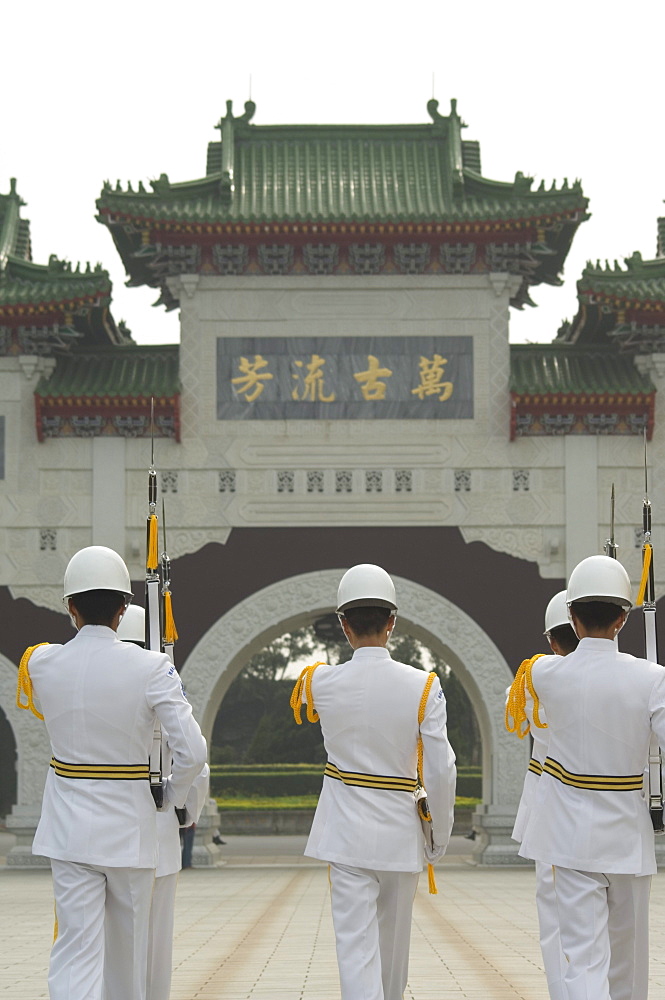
x,y
451,127
522,183
9,225
226,126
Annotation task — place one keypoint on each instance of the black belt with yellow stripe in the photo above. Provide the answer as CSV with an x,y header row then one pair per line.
x,y
387,782
105,772
594,782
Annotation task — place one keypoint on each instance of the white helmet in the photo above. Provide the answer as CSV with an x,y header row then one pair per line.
x,y
366,585
600,578
556,612
132,625
96,568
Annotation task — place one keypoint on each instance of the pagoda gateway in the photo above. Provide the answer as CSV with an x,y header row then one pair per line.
x,y
344,390
343,199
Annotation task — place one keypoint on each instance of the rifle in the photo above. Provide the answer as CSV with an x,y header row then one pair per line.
x,y
611,548
153,638
647,599
170,633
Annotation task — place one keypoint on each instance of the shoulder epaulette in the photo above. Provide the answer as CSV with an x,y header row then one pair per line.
x,y
24,697
516,718
303,686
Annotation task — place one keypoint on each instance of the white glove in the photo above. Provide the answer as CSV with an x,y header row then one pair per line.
x,y
433,853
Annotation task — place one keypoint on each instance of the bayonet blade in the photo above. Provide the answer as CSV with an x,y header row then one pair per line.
x,y
610,545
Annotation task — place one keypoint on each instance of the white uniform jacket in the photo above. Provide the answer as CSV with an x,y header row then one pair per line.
x,y
601,706
538,754
369,718
168,827
99,697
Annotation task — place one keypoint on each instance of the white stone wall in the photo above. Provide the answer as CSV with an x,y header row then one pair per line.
x,y
545,500
542,499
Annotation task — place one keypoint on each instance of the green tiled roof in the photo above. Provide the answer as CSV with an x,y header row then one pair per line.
x,y
391,173
111,372
304,186
641,280
24,282
621,304
545,369
54,302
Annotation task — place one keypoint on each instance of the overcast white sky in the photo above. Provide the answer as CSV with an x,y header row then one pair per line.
x,y
130,89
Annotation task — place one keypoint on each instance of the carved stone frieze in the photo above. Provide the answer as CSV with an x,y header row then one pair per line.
x,y
44,597
523,543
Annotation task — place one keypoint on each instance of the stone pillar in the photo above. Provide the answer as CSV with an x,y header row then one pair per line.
x,y
22,822
495,826
205,854
108,493
581,498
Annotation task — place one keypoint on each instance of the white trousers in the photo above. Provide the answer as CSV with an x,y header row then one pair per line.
x,y
604,925
99,909
371,913
160,946
160,938
550,940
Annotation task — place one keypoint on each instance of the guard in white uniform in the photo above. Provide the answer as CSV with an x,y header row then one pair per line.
x,y
99,698
162,908
519,719
589,817
366,823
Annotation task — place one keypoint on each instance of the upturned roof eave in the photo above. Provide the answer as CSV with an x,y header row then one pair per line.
x,y
463,212
559,370
162,382
38,280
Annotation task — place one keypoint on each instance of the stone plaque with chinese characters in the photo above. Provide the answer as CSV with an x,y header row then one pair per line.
x,y
345,378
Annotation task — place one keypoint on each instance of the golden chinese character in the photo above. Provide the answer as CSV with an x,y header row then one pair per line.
x,y
431,374
312,381
373,389
250,378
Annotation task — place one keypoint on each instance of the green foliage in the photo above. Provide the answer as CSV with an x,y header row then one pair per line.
x,y
279,780
284,802
469,786
255,723
268,783
265,768
462,804
463,730
272,662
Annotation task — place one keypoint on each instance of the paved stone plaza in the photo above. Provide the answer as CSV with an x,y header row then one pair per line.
x,y
258,928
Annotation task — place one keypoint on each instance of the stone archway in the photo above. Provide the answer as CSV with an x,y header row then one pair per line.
x,y
224,650
33,753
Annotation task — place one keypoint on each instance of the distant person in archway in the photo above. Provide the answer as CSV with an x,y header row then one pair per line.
x,y
374,712
519,719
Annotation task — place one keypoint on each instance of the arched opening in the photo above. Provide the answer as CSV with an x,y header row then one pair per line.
x,y
258,753
8,778
254,722
248,627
